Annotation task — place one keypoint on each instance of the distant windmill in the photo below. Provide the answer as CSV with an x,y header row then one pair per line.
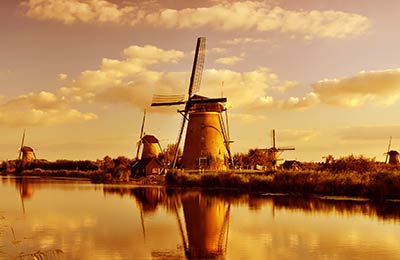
x,y
26,153
274,152
151,145
207,141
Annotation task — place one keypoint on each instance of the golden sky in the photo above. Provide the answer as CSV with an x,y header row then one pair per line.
x,y
77,74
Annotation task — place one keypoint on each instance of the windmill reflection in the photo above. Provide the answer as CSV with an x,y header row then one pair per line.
x,y
207,225
203,219
25,189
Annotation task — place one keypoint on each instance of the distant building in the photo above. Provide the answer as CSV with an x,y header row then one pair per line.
x,y
291,165
147,166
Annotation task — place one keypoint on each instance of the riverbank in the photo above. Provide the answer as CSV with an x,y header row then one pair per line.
x,y
382,184
379,185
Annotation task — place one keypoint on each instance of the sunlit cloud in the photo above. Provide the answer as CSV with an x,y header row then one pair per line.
x,y
231,60
370,132
291,103
227,16
62,76
42,108
382,87
304,135
247,40
243,117
73,11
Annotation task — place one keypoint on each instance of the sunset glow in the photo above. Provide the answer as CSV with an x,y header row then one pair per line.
x,y
77,74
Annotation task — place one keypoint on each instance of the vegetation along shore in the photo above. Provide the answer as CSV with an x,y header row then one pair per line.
x,y
346,176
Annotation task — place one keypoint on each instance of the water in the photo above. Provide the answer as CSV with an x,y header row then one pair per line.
x,y
94,221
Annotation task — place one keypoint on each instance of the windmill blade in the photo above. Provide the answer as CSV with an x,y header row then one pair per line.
x,y
207,100
22,145
167,100
387,154
141,135
225,136
198,65
273,140
286,148
179,138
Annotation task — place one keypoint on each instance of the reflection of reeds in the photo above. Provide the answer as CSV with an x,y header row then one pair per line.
x,y
375,185
18,244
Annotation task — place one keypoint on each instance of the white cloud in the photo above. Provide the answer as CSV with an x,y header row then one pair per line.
x,y
227,16
259,16
304,135
43,108
247,40
370,132
291,103
231,60
247,117
72,11
62,76
382,87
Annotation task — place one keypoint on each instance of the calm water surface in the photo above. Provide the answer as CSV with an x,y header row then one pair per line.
x,y
93,221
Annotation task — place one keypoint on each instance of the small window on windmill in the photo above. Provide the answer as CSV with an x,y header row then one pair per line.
x,y
202,162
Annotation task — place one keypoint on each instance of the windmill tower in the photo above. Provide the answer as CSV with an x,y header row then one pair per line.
x,y
274,152
207,141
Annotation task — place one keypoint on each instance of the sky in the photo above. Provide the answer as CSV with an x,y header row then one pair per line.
x,y
78,74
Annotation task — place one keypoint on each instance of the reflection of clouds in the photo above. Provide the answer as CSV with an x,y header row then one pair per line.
x,y
85,224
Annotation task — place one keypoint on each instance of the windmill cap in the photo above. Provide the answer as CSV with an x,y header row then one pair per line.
x,y
149,139
26,149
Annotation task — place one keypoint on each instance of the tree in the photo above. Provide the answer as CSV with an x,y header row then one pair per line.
x,y
167,155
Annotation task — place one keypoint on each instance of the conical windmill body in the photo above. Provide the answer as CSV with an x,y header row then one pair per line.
x,y
150,143
207,141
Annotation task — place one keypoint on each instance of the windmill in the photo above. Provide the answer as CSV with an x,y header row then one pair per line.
x,y
274,152
151,145
207,140
26,153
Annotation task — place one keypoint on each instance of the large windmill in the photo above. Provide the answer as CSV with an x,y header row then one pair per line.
x,y
207,141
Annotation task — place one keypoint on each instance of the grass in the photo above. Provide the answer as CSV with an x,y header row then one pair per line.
x,y
376,185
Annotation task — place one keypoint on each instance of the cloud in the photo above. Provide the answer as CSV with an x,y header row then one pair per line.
x,y
239,41
381,86
241,88
231,60
73,11
247,117
62,76
291,103
226,16
42,108
304,135
370,132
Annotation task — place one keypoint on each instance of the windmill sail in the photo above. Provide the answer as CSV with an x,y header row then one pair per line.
x,y
198,65
141,135
22,145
